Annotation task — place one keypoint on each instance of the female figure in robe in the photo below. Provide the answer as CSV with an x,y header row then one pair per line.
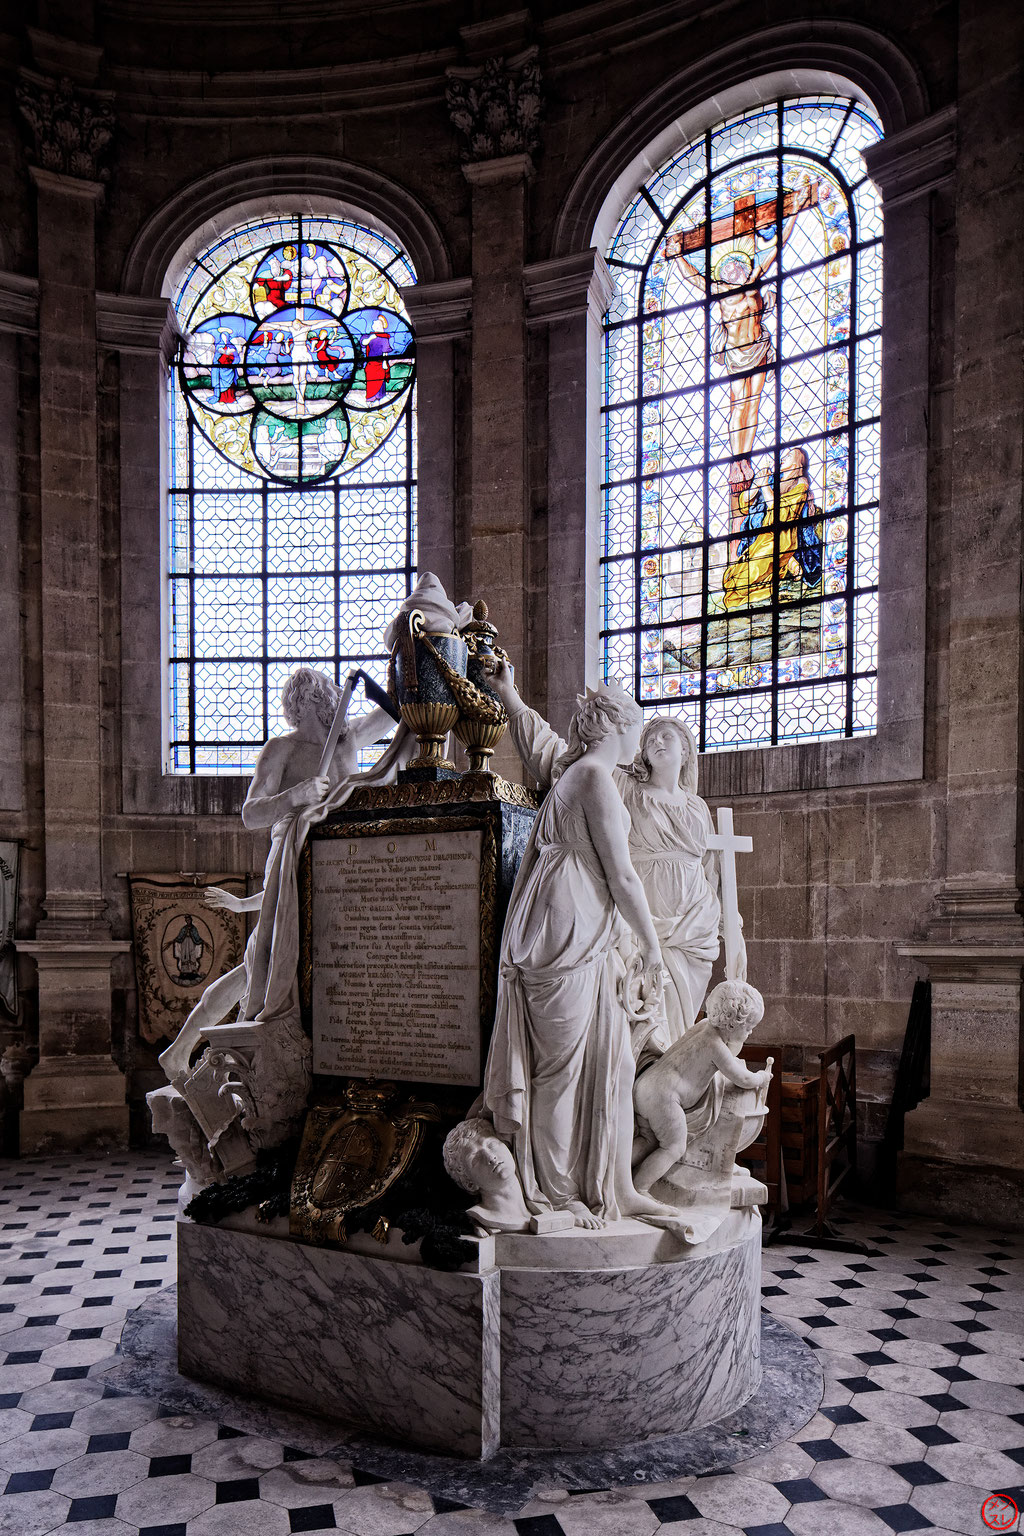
x,y
559,1078
669,829
378,369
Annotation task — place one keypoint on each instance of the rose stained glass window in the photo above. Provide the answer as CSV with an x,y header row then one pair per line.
x,y
291,534
741,430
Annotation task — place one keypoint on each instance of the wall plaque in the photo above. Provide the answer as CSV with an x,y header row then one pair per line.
x,y
394,951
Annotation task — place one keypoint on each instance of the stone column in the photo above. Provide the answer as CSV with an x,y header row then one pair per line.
x,y
569,296
440,317
964,1145
76,1095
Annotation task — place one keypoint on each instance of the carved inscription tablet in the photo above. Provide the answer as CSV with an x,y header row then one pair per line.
x,y
396,956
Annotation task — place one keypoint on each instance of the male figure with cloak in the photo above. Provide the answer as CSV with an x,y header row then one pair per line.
x,y
289,794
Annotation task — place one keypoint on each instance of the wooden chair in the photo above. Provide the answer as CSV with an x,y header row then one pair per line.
x,y
837,1124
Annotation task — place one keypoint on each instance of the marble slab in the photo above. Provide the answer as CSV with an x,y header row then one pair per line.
x,y
395,956
788,1397
407,1353
549,1356
594,1358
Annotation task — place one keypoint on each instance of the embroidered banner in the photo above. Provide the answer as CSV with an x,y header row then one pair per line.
x,y
10,855
181,945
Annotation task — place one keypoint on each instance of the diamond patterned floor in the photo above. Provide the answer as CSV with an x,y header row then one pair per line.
x,y
921,1344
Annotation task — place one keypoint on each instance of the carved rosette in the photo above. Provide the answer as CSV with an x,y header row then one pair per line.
x,y
71,128
496,109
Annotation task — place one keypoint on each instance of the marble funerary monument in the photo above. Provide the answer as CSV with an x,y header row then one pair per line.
x,y
496,1001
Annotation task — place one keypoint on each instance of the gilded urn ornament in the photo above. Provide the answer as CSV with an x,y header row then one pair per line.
x,y
424,668
481,725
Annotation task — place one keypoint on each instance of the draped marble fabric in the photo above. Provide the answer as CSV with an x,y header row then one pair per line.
x,y
668,847
559,1077
265,985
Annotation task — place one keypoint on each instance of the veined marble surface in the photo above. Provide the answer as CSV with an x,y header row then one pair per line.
x,y
788,1396
407,1353
596,1358
552,1356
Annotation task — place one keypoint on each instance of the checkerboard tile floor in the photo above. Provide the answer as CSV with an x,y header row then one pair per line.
x,y
920,1342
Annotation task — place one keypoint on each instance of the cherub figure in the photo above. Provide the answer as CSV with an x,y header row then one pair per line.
x,y
679,1095
481,1163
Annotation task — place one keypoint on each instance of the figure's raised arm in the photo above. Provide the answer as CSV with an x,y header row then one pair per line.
x,y
539,747
674,252
731,1067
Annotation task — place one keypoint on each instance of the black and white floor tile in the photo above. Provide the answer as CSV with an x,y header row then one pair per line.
x,y
921,1343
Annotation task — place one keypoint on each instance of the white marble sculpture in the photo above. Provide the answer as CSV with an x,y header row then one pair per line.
x,y
559,1075
697,1106
249,1087
479,1162
671,838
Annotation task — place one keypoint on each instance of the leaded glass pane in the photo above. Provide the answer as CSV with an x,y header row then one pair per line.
x,y
291,531
741,409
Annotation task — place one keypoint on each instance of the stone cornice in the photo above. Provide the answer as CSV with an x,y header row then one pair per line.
x,y
127,323
499,171
67,186
990,964
440,311
919,158
567,286
194,96
19,303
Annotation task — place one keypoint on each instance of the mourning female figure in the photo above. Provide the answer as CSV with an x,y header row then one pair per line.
x,y
668,844
559,1077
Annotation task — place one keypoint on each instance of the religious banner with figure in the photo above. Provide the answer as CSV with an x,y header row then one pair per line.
x,y
10,855
181,944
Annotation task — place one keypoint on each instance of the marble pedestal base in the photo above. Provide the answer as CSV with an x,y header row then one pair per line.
x,y
576,1349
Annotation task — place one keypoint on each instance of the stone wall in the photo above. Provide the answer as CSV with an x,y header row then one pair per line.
x,y
874,861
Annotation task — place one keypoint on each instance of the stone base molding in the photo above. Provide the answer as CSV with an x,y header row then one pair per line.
x,y
75,1097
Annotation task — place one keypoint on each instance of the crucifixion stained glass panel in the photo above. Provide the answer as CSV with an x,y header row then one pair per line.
x,y
741,411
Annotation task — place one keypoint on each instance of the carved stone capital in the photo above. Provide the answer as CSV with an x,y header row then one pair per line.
x,y
71,128
496,109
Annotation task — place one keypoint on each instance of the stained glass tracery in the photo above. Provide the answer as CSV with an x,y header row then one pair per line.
x,y
292,478
741,409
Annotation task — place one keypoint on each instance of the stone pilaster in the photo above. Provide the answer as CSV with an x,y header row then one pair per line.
x,y
569,297
495,109
76,1095
964,1145
496,539
440,314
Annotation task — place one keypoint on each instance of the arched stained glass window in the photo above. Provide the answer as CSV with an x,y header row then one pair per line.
x,y
291,535
741,430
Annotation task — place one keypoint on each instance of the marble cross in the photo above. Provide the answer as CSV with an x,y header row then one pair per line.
x,y
727,845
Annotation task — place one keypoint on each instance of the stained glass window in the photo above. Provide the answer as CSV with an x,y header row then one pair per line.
x,y
741,429
291,534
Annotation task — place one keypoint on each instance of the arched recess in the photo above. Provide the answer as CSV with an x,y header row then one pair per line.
x,y
829,58
833,57
202,208
136,323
